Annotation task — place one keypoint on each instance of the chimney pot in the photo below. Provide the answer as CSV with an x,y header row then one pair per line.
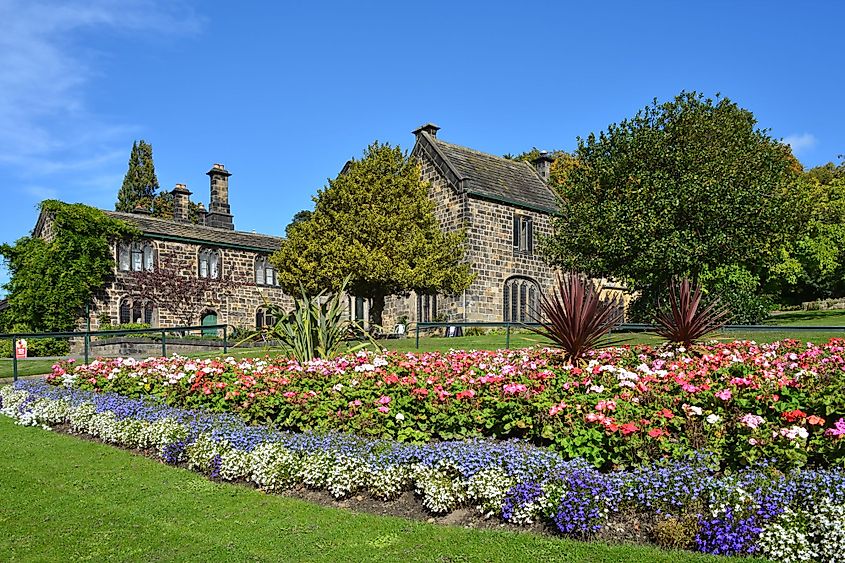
x,y
543,165
429,128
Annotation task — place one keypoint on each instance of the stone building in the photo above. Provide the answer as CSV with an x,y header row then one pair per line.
x,y
504,206
212,250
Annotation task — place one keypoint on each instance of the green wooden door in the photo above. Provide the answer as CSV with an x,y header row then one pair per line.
x,y
209,319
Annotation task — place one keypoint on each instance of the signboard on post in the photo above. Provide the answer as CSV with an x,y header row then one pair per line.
x,y
20,349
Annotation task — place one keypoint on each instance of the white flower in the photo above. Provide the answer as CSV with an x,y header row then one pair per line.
x,y
713,418
400,417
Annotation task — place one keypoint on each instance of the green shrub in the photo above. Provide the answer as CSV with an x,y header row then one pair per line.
x,y
739,290
38,347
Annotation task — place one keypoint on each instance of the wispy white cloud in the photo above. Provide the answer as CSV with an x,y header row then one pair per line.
x,y
41,192
47,124
800,143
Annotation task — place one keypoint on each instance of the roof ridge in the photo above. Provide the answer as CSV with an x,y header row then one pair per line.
x,y
497,157
192,225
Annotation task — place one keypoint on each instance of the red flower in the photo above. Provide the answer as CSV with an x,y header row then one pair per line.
x,y
629,428
792,416
657,432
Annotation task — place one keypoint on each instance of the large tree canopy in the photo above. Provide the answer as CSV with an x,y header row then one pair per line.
x,y
689,187
376,224
52,280
813,265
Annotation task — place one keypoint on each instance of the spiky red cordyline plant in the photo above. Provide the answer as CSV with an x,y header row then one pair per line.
x,y
683,322
575,318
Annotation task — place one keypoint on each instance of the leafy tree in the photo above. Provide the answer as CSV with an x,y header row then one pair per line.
x,y
298,217
813,266
528,156
374,223
140,183
52,279
683,187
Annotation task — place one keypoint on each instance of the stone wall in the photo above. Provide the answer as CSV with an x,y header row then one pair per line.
x,y
236,306
449,209
489,251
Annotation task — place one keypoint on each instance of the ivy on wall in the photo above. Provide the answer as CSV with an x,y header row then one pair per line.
x,y
52,280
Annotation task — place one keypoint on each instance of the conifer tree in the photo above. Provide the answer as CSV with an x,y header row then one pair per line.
x,y
140,183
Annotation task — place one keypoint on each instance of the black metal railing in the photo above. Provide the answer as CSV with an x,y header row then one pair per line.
x,y
626,327
87,334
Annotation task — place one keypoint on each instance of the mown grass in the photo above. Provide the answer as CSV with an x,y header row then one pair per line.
x,y
63,498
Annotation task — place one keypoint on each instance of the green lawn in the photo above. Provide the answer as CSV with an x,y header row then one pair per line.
x,y
63,498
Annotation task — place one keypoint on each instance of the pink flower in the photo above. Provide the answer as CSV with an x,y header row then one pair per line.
x,y
384,410
384,400
513,388
724,394
752,421
290,394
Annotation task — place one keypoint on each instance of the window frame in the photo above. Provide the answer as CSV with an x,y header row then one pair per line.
x,y
267,271
209,263
520,299
135,256
131,310
426,307
523,234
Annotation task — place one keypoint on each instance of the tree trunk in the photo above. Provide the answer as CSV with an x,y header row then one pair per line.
x,y
376,312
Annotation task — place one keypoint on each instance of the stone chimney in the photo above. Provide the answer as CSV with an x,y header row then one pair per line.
x,y
202,213
429,128
181,203
543,165
219,214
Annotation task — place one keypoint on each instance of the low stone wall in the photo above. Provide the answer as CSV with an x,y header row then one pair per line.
x,y
823,305
145,347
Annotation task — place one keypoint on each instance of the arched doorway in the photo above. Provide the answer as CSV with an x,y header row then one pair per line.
x,y
209,318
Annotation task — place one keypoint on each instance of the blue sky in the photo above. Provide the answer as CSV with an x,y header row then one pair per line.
x,y
284,93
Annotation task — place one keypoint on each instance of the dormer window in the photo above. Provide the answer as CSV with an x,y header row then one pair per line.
x,y
135,256
209,263
265,273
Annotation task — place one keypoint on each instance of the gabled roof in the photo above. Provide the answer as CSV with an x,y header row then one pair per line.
x,y
488,176
156,227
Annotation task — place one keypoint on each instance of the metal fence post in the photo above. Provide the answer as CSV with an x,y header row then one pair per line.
x,y
418,336
14,360
163,344
87,339
226,339
508,336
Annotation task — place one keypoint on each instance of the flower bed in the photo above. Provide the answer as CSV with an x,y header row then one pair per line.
x,y
793,516
741,402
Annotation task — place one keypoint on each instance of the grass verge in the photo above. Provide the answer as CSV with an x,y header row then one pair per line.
x,y
63,498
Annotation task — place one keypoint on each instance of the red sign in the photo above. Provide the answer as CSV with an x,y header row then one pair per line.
x,y
20,349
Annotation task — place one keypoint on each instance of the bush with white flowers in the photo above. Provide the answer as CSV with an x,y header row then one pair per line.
x,y
792,517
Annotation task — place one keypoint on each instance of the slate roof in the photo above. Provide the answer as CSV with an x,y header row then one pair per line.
x,y
496,178
188,232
